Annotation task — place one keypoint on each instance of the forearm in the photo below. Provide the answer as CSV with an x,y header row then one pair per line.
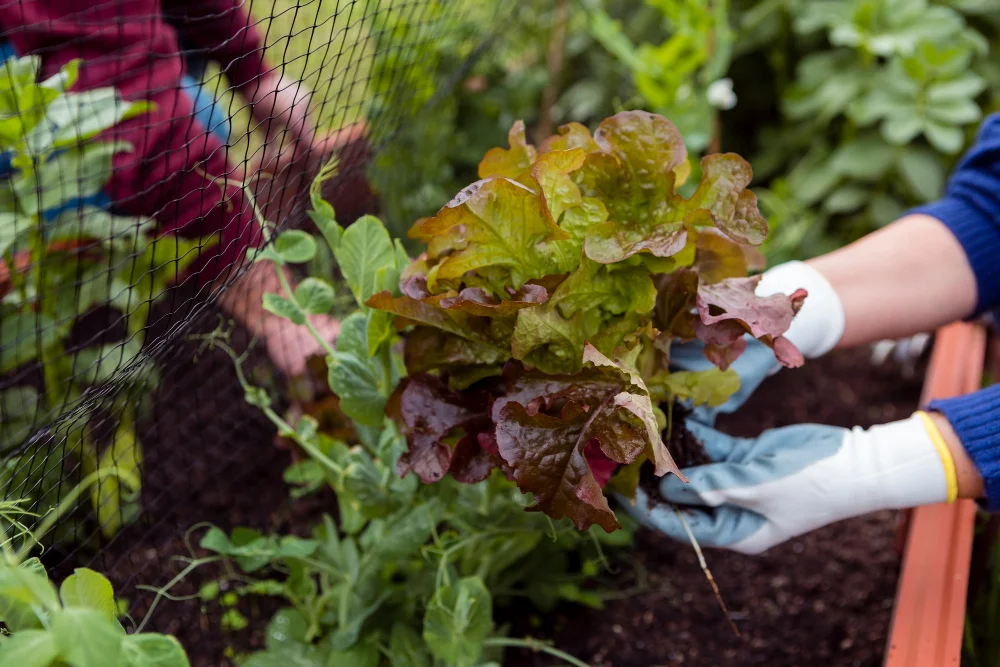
x,y
909,277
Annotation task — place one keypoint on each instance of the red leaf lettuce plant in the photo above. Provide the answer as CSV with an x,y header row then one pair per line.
x,y
540,318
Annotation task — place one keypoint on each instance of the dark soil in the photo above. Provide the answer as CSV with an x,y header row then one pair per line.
x,y
822,599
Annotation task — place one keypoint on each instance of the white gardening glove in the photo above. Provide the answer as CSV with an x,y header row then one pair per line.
x,y
759,492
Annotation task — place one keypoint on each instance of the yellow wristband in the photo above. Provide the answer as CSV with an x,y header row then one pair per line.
x,y
950,474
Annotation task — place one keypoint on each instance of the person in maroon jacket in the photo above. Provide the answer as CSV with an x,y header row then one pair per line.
x,y
179,172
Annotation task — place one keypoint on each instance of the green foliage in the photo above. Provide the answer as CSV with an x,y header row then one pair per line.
x,y
852,110
62,257
570,268
407,574
446,123
77,627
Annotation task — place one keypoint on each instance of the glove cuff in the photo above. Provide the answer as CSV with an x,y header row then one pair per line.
x,y
898,465
819,324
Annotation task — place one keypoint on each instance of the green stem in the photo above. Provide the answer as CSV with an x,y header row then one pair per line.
x,y
161,592
537,646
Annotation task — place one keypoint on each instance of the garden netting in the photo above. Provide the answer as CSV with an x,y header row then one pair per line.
x,y
135,151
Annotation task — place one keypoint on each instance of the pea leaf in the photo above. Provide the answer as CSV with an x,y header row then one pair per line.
x,y
458,619
29,648
152,650
90,590
314,296
364,249
86,638
295,246
282,307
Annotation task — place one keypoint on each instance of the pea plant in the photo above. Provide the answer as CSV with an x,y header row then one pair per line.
x,y
76,624
64,254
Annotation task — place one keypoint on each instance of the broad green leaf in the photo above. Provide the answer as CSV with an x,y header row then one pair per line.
x,y
282,307
86,638
17,412
89,590
23,591
845,199
21,336
363,655
152,650
458,619
945,138
287,626
923,172
13,226
712,387
362,394
314,296
74,173
365,248
295,246
28,648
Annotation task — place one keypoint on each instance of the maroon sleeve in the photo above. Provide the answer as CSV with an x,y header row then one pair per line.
x,y
225,32
174,172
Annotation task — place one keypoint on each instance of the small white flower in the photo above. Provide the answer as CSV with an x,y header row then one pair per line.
x,y
720,94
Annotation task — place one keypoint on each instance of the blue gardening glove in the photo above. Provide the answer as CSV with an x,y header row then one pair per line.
x,y
759,492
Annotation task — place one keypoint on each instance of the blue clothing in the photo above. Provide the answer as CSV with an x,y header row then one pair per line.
x,y
971,210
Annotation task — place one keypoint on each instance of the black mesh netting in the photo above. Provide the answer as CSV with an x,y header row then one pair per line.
x,y
136,137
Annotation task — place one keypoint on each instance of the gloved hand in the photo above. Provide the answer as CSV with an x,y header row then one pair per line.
x,y
759,492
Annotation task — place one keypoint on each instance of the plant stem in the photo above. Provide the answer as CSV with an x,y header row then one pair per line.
x,y
162,591
537,646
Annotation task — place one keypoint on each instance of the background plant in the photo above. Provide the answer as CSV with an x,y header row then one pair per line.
x,y
63,256
77,624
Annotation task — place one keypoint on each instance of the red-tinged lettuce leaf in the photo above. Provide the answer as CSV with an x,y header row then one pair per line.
x,y
675,314
571,135
635,177
729,306
475,301
546,441
616,290
546,457
430,416
509,163
718,257
430,349
600,465
551,173
424,311
501,225
623,420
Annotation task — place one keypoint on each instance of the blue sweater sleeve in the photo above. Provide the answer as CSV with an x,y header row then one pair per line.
x,y
971,210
